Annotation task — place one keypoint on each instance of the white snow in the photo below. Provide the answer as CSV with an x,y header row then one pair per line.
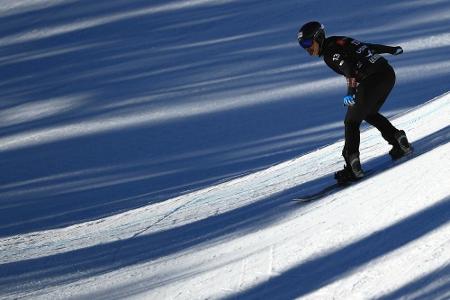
x,y
152,151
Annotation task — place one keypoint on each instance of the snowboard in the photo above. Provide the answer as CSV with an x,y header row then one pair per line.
x,y
336,187
330,189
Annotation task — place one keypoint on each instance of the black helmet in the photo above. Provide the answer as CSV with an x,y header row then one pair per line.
x,y
311,31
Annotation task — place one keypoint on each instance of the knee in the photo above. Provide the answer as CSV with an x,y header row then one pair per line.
x,y
349,123
371,118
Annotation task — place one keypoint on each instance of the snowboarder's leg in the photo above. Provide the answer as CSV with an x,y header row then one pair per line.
x,y
352,137
375,90
397,138
400,145
352,170
383,125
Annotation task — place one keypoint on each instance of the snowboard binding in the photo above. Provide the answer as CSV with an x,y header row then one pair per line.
x,y
345,176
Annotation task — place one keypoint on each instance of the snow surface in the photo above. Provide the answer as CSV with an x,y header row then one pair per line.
x,y
152,150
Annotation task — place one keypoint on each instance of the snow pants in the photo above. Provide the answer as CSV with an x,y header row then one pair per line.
x,y
370,96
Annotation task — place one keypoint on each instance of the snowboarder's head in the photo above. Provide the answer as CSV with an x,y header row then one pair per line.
x,y
311,37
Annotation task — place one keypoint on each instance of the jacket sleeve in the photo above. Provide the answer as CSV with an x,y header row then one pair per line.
x,y
337,60
380,49
343,66
346,67
351,85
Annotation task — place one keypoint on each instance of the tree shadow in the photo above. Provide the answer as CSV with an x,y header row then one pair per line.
x,y
122,59
323,270
99,259
435,285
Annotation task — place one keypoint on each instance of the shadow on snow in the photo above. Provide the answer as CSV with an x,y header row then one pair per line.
x,y
99,259
122,58
325,269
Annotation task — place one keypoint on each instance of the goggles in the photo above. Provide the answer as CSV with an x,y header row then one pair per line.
x,y
306,43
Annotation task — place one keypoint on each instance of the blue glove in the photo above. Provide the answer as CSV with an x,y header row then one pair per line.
x,y
398,50
349,100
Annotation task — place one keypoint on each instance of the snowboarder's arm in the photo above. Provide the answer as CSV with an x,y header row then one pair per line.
x,y
377,48
339,62
351,85
349,100
337,59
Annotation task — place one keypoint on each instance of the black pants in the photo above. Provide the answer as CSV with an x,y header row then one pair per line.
x,y
370,96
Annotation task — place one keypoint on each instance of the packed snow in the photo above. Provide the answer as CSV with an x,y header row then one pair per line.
x,y
153,151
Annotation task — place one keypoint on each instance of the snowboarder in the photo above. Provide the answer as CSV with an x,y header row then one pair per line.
x,y
370,79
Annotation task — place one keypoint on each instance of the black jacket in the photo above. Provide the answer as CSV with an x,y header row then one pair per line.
x,y
354,59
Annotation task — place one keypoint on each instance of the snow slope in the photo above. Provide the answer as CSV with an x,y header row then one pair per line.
x,y
151,150
246,238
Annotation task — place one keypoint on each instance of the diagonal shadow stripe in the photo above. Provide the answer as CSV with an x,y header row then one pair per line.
x,y
325,269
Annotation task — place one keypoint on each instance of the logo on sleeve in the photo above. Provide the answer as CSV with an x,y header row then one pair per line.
x,y
340,42
336,57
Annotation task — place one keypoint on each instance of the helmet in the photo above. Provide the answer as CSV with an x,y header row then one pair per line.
x,y
311,31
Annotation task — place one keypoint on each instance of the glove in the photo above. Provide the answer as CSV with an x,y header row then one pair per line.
x,y
349,100
398,50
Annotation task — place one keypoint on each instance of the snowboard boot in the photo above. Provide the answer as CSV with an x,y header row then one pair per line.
x,y
352,170
400,146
